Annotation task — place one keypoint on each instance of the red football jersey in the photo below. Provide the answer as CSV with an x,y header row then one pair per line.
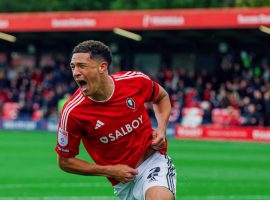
x,y
115,131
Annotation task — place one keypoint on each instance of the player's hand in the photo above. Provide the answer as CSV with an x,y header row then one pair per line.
x,y
123,173
159,140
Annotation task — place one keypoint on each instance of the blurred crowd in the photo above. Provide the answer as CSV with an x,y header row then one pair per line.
x,y
238,88
37,90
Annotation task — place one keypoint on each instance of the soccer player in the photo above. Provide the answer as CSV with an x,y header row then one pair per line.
x,y
108,115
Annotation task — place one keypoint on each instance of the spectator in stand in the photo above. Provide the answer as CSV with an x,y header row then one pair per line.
x,y
215,103
233,118
257,100
207,91
266,72
190,78
207,112
252,118
199,86
11,73
37,76
175,110
242,88
243,105
266,109
4,83
223,98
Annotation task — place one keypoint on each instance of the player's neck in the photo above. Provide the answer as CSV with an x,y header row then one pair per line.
x,y
105,91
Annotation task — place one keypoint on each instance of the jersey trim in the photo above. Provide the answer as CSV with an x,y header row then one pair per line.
x,y
129,75
72,104
125,74
153,93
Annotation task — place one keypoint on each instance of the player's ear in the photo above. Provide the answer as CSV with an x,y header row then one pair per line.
x,y
103,67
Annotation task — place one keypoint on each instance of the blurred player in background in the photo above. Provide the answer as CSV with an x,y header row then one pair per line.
x,y
62,102
107,114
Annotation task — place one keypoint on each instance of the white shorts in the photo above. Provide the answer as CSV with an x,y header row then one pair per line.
x,y
157,170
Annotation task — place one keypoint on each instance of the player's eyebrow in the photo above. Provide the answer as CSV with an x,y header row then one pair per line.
x,y
77,63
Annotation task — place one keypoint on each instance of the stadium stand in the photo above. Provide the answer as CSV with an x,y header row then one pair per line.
x,y
234,95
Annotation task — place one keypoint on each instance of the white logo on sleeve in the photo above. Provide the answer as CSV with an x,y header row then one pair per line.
x,y
62,137
99,124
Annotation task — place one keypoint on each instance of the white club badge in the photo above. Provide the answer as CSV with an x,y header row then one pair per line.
x,y
62,137
130,103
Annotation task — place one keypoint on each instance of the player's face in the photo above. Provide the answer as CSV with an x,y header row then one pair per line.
x,y
86,72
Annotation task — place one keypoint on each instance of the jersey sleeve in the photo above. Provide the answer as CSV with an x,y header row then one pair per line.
x,y
149,88
68,138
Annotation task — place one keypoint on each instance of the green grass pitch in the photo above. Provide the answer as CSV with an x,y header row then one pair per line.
x,y
207,170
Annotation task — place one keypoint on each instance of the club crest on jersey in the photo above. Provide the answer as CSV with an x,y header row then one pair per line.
x,y
62,137
130,103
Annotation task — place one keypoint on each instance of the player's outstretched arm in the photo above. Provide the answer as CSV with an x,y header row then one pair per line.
x,y
121,173
162,109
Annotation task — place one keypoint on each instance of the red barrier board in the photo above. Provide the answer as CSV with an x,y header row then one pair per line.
x,y
10,110
224,133
172,19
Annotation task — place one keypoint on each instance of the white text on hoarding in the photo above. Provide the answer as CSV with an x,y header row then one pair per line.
x,y
253,19
72,22
149,20
4,23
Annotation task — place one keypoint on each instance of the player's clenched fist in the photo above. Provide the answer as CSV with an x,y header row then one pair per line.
x,y
122,173
159,140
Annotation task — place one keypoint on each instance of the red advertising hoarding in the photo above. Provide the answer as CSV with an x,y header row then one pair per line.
x,y
136,20
224,133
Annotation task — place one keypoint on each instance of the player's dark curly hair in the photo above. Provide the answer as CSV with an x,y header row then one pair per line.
x,y
96,50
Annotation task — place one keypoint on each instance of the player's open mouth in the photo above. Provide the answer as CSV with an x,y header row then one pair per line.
x,y
82,84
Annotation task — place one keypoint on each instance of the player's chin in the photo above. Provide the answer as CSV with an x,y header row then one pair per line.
x,y
85,91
